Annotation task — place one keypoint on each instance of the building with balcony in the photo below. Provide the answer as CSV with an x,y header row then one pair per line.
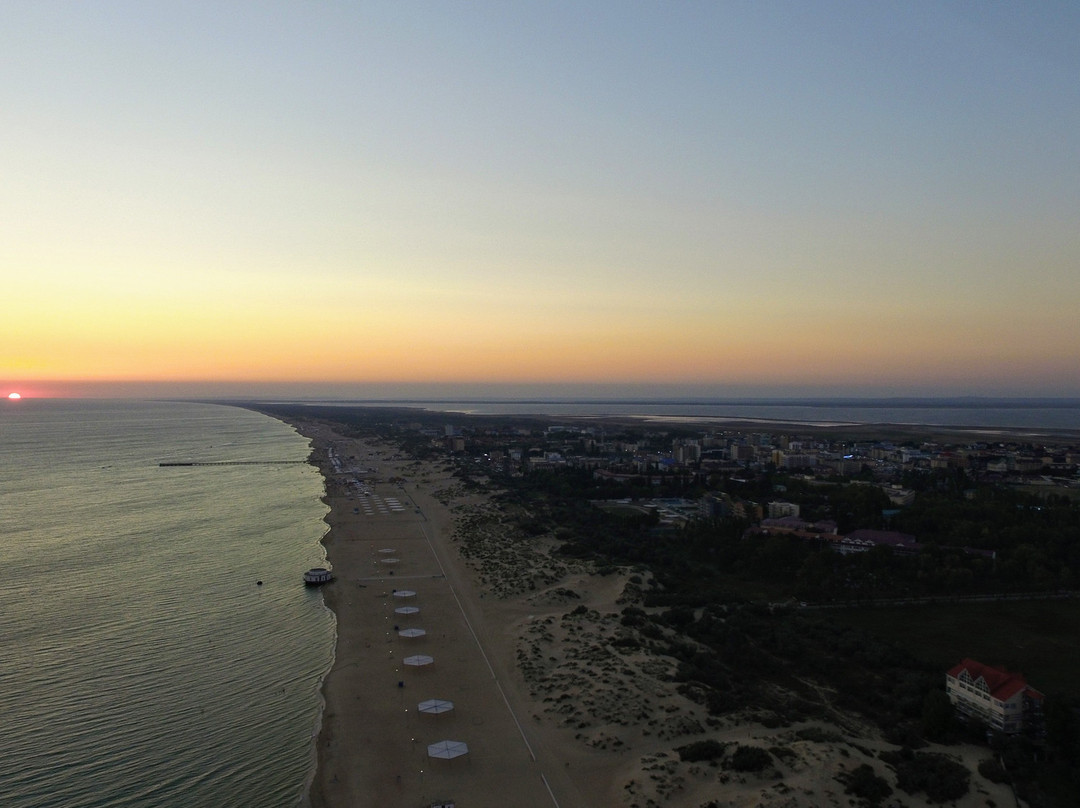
x,y
1001,700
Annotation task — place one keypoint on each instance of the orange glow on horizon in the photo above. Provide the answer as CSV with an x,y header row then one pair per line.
x,y
533,346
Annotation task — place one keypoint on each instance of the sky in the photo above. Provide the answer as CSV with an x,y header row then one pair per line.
x,y
369,199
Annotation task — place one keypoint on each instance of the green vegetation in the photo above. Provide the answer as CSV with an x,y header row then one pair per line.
x,y
941,778
864,783
819,735
750,759
1037,543
701,751
1035,637
992,770
939,722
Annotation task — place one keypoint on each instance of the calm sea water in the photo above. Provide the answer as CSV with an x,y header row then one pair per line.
x,y
141,664
1036,414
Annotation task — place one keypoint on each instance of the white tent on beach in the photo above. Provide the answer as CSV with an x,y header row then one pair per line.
x,y
418,660
435,706
447,750
404,593
412,632
407,610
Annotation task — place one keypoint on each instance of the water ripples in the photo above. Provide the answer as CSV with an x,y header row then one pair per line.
x,y
143,665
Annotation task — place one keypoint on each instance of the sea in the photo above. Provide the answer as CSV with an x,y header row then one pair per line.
x,y
158,647
1040,415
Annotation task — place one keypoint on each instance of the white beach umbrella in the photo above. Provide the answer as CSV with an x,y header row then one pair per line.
x,y
435,706
412,632
387,550
419,660
448,750
404,593
407,610
390,560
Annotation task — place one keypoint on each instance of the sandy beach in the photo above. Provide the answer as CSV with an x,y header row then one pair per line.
x,y
559,704
389,537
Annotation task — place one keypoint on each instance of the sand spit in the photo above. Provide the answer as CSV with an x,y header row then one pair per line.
x,y
560,704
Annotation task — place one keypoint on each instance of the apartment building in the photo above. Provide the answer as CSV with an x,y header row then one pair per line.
x,y
1000,699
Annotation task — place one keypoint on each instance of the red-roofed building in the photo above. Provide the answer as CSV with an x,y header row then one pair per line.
x,y
1001,700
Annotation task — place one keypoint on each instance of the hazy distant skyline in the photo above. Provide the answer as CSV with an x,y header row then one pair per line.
x,y
727,199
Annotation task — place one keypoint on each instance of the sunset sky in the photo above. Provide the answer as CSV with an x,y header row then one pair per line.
x,y
403,198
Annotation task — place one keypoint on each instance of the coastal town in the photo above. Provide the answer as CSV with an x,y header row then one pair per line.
x,y
706,615
776,482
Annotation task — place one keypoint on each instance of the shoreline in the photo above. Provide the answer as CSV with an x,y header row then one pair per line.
x,y
372,741
554,708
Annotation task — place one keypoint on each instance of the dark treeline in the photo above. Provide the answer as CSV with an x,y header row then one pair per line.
x,y
984,541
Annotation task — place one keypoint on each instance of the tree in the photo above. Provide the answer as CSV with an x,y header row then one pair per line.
x,y
938,718
865,783
941,778
750,759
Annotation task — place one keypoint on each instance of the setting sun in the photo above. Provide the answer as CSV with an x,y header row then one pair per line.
x,y
14,396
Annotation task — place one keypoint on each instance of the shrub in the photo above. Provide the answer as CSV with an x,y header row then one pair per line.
x,y
938,720
993,771
783,752
633,617
942,778
818,735
896,757
865,784
750,759
903,734
700,750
